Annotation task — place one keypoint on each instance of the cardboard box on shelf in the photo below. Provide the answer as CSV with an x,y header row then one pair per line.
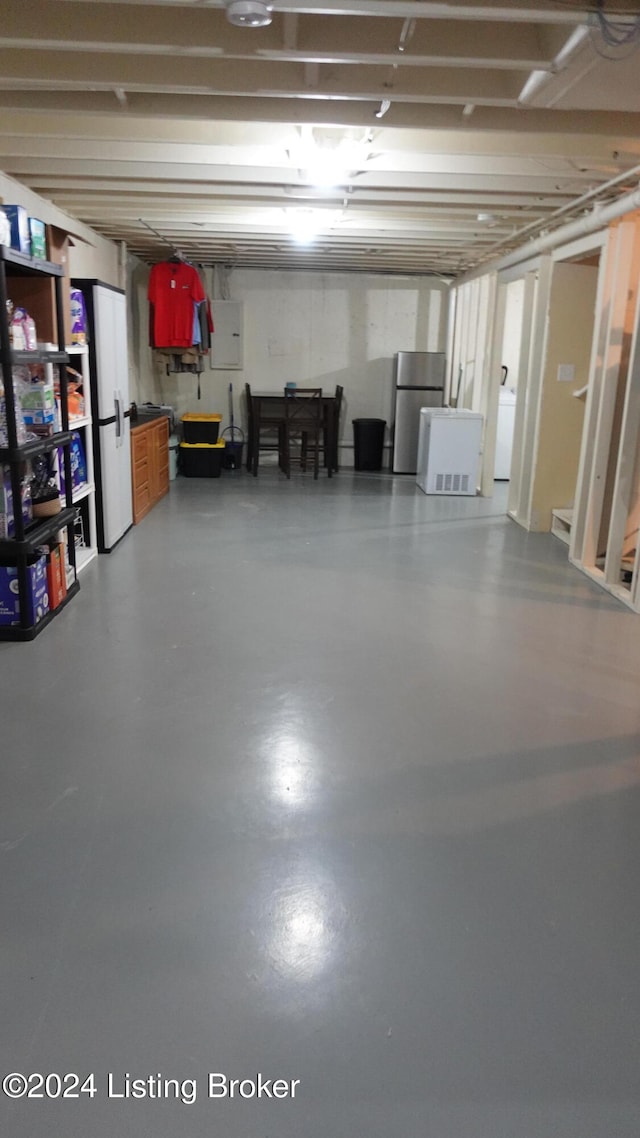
x,y
38,597
37,238
19,222
38,404
56,576
7,516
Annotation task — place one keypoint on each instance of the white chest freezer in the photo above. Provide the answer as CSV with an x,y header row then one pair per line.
x,y
449,450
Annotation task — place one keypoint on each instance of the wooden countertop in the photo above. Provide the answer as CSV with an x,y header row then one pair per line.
x,y
144,420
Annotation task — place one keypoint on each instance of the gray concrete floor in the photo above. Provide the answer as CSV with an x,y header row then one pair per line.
x,y
332,782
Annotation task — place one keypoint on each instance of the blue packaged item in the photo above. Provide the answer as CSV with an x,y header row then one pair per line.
x,y
78,317
7,516
78,463
38,596
19,222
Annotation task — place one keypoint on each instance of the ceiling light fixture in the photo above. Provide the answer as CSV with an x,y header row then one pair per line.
x,y
306,225
330,163
248,13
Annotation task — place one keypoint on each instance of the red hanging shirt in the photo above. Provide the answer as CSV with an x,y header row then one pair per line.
x,y
174,288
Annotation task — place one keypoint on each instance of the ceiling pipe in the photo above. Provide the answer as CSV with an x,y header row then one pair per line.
x,y
526,13
599,217
570,207
538,80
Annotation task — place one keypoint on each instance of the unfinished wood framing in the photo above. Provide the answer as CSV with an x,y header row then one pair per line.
x,y
472,376
565,370
605,539
490,386
530,397
530,286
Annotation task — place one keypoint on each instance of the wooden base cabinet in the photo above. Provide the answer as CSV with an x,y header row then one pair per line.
x,y
149,465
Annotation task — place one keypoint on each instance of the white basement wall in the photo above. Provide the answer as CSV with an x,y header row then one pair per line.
x,y
315,329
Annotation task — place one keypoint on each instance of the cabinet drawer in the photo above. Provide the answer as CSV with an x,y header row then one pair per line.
x,y
163,480
141,472
140,445
162,429
141,502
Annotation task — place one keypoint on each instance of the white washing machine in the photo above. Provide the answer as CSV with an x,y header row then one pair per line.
x,y
449,450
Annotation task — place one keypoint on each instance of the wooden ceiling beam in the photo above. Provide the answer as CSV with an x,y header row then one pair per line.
x,y
623,128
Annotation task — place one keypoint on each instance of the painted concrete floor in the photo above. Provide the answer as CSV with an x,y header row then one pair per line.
x,y
336,783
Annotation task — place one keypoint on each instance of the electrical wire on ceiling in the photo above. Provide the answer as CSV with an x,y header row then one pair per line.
x,y
616,33
611,38
406,34
610,35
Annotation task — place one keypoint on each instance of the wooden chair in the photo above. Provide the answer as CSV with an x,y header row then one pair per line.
x,y
335,433
330,433
271,425
303,424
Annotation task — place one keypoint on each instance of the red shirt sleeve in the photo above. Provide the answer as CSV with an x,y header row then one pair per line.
x,y
197,291
153,284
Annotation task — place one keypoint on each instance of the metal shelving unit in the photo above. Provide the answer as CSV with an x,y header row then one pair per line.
x,y
85,495
17,551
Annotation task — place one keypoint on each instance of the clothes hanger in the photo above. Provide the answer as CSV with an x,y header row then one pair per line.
x,y
177,256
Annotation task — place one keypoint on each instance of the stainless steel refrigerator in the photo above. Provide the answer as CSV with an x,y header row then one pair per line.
x,y
419,382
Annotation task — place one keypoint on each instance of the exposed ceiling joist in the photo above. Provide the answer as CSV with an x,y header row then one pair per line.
x,y
394,123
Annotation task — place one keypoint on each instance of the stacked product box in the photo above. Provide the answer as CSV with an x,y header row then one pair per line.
x,y
38,238
19,221
38,596
78,464
7,515
28,234
56,576
38,404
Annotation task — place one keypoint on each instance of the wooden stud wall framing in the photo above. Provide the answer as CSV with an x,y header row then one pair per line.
x,y
491,375
560,422
530,393
530,286
604,541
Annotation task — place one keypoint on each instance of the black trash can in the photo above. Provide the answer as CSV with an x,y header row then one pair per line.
x,y
368,442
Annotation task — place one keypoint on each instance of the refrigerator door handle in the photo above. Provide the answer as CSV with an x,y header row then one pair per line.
x,y
119,419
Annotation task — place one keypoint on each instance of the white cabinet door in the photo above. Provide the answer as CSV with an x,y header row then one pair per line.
x,y
112,382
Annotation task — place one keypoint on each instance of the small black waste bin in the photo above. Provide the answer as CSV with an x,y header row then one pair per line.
x,y
368,441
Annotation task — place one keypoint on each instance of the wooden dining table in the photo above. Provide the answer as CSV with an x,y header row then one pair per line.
x,y
270,406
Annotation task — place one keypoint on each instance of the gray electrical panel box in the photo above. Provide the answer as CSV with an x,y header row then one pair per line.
x,y
227,339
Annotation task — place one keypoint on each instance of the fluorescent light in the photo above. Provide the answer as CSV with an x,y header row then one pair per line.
x,y
305,225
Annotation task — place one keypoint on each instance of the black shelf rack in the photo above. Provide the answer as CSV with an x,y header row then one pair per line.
x,y
18,551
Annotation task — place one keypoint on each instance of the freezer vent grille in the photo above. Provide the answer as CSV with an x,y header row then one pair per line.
x,y
452,483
